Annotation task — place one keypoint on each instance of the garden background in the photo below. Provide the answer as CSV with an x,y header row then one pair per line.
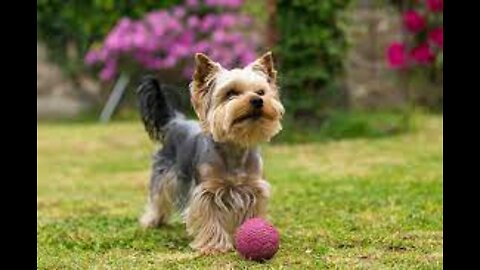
x,y
357,170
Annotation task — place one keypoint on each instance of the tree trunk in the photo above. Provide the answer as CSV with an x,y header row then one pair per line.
x,y
272,26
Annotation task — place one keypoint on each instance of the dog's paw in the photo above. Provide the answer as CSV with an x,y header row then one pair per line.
x,y
148,221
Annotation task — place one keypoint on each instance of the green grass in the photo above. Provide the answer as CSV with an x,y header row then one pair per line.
x,y
364,203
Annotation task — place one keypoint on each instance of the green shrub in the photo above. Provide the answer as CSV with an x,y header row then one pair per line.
x,y
311,51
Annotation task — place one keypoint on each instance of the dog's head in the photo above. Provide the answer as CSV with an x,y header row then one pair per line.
x,y
240,106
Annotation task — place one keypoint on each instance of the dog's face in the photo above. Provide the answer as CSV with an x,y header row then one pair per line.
x,y
240,106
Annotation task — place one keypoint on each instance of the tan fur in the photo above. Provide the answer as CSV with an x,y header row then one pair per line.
x,y
203,79
217,115
265,65
160,205
218,207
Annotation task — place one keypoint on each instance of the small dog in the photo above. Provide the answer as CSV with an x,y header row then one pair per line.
x,y
211,171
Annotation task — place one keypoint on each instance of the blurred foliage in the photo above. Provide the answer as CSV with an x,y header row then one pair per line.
x,y
312,48
256,9
69,27
341,124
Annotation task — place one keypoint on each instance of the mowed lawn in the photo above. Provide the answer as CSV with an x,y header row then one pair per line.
x,y
345,204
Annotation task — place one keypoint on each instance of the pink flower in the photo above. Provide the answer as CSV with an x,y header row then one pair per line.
x,y
223,56
150,45
109,71
211,2
157,21
233,3
139,35
422,54
91,57
247,57
219,36
396,55
119,38
178,50
193,21
156,17
208,22
103,54
413,21
228,20
124,24
186,38
239,47
178,12
164,38
436,36
435,5
174,26
201,46
169,62
113,41
224,3
234,38
192,3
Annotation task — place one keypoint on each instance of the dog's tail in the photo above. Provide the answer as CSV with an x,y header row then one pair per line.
x,y
155,110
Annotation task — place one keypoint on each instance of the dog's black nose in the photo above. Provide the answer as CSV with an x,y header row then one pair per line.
x,y
256,102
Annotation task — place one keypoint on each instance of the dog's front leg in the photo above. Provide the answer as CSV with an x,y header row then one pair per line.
x,y
207,222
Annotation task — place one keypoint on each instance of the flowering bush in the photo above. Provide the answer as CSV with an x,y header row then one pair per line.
x,y
168,38
396,55
413,21
68,28
419,57
423,46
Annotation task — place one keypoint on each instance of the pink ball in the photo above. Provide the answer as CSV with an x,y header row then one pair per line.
x,y
257,240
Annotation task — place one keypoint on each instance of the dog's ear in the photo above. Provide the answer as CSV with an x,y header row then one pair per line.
x,y
265,65
205,70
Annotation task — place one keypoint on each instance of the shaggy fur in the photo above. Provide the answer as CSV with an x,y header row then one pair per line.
x,y
211,171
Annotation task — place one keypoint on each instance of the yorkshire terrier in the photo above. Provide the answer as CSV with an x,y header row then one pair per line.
x,y
211,171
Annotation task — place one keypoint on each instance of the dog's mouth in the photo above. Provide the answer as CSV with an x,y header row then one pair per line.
x,y
255,115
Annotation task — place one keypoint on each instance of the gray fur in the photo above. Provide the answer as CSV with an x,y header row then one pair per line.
x,y
186,147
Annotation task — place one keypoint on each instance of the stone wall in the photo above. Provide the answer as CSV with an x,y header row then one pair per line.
x,y
57,97
370,83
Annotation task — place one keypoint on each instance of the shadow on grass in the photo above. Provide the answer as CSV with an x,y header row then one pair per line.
x,y
103,233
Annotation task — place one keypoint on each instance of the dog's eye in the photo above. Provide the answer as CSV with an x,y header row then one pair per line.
x,y
231,93
260,92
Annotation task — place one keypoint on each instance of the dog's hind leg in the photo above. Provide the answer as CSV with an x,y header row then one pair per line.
x,y
160,203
